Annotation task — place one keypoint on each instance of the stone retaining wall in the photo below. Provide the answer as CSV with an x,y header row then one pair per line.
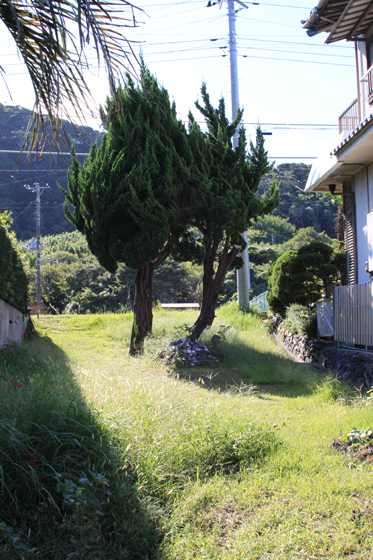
x,y
351,365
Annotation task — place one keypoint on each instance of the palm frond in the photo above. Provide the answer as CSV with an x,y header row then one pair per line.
x,y
51,37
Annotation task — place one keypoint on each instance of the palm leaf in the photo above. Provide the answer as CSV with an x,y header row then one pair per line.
x,y
51,37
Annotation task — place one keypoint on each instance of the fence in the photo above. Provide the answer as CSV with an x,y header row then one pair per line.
x,y
12,323
353,314
260,302
325,319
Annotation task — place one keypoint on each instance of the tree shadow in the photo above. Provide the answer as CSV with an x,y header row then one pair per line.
x,y
61,461
240,367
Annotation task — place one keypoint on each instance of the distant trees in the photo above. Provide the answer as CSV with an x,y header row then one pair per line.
x,y
73,281
303,210
301,276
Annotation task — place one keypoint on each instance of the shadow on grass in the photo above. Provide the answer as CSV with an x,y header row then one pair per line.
x,y
240,367
67,485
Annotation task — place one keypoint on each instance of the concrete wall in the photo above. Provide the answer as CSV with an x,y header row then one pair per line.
x,y
363,188
12,324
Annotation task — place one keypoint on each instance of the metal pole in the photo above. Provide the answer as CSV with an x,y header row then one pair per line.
x,y
243,274
38,248
39,190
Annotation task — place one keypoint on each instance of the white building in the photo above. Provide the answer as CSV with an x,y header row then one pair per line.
x,y
348,168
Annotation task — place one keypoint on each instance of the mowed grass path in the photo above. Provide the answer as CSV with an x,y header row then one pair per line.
x,y
298,499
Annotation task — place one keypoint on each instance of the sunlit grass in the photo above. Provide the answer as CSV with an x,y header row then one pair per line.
x,y
230,460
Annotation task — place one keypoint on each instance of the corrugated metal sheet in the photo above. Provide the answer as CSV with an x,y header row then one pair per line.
x,y
355,20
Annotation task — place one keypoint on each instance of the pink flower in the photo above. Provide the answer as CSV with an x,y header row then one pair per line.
x,y
8,352
17,384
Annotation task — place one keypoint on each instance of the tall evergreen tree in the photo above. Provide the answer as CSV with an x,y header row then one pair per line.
x,y
226,201
128,194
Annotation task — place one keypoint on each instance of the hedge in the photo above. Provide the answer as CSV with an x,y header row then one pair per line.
x,y
13,280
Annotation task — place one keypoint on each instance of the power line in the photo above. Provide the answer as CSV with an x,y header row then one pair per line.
x,y
256,57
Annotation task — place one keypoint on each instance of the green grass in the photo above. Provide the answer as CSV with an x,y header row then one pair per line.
x,y
231,460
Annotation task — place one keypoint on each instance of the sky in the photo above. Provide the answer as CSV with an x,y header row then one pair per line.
x,y
292,85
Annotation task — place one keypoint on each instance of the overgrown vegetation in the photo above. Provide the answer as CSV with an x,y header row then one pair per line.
x,y
231,460
301,320
59,488
13,280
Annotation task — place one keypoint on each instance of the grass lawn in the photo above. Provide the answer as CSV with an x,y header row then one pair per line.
x,y
225,461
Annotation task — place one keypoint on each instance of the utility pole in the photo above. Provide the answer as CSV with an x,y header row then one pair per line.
x,y
243,274
38,189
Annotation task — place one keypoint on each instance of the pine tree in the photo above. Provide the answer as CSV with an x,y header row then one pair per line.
x,y
300,276
226,201
127,198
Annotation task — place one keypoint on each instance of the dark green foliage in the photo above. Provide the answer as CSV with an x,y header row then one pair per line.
x,y
281,291
303,209
73,281
125,197
310,329
13,280
300,276
226,201
262,254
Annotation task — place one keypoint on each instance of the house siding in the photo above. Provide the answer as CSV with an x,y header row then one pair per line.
x,y
363,188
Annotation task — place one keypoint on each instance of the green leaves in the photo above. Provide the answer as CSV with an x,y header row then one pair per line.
x,y
126,196
13,280
299,276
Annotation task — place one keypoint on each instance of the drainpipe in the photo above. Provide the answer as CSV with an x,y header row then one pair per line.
x,y
367,174
358,84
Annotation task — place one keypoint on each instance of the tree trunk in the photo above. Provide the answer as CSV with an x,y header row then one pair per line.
x,y
143,304
327,288
212,285
142,308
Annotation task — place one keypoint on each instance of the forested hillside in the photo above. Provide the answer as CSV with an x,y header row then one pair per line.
x,y
44,169
303,210
72,278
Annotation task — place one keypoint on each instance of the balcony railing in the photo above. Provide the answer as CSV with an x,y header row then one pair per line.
x,y
367,85
349,119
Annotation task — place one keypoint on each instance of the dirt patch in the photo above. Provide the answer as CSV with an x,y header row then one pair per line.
x,y
226,517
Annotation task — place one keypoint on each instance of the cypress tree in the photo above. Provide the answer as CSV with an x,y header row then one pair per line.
x,y
128,195
226,201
